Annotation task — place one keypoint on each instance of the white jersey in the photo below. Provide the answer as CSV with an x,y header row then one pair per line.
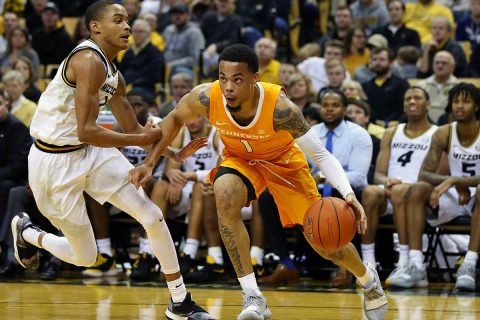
x,y
407,154
464,161
205,158
55,121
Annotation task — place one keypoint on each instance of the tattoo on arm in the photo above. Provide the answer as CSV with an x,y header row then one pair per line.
x,y
287,116
231,246
432,160
204,100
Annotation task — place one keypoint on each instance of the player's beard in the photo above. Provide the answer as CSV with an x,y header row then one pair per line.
x,y
234,109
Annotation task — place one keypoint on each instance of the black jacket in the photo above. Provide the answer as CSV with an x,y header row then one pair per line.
x,y
15,142
52,47
403,37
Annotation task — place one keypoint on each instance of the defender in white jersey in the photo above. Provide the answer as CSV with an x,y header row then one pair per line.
x,y
73,154
449,195
398,164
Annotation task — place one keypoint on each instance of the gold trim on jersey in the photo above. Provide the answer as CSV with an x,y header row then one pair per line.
x,y
449,137
470,143
420,134
50,148
112,66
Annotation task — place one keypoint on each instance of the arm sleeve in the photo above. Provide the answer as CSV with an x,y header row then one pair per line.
x,y
312,146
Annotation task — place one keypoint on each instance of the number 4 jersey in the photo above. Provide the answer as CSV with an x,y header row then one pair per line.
x,y
407,154
463,160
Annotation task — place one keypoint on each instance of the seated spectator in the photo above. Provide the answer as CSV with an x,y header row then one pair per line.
x,y
353,90
475,62
441,30
308,50
396,33
448,195
15,142
33,15
301,92
359,112
342,21
335,74
143,64
25,67
10,21
355,48
406,62
314,67
468,27
21,107
439,84
18,46
221,28
402,150
370,14
383,90
419,16
285,72
81,32
257,18
269,67
183,41
52,42
364,72
180,85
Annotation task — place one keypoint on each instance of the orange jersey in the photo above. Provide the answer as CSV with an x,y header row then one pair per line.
x,y
268,159
258,140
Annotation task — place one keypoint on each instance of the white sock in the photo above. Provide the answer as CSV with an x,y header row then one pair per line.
x,y
367,279
104,246
471,257
177,289
216,253
403,256
31,236
257,253
416,256
368,253
191,247
249,281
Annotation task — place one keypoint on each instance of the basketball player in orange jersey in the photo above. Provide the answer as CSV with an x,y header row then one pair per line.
x,y
260,128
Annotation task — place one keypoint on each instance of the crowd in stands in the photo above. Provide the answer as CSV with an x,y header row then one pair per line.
x,y
377,73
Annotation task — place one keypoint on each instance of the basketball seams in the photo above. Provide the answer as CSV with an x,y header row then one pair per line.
x,y
338,222
318,224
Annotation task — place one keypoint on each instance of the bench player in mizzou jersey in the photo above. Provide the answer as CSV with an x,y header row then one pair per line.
x,y
73,154
260,128
452,195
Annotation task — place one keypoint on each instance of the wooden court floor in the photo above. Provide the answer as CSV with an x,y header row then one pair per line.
x,y
32,299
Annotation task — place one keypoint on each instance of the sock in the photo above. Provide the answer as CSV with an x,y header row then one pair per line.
x,y
366,280
471,257
177,290
145,246
249,281
31,236
191,247
257,253
368,253
287,262
416,256
216,253
403,256
104,246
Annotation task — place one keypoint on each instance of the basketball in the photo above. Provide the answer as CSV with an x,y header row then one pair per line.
x,y
329,223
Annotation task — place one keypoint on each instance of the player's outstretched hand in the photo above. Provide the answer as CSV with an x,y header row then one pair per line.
x,y
152,133
189,149
360,216
140,176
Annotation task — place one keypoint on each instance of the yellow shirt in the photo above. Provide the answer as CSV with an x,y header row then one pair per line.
x,y
419,17
375,130
270,73
25,112
353,61
155,38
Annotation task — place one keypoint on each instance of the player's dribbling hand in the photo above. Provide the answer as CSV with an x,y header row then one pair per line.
x,y
140,176
151,133
360,216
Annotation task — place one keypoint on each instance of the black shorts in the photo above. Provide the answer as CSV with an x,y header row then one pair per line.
x,y
250,189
